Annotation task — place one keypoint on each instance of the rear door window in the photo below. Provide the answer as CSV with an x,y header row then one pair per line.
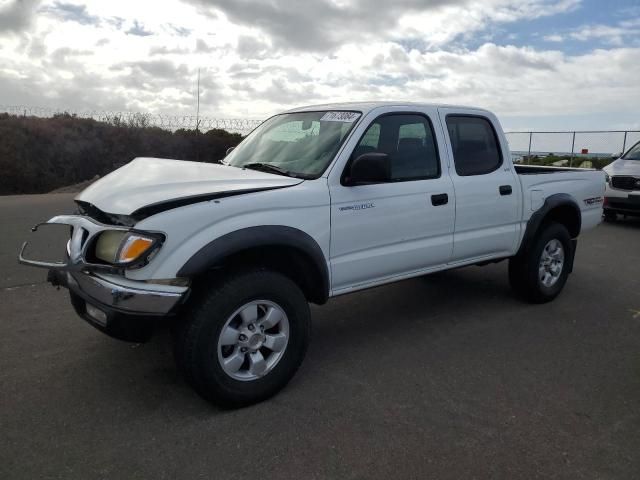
x,y
476,150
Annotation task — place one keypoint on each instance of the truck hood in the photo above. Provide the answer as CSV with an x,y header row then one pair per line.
x,y
623,167
157,184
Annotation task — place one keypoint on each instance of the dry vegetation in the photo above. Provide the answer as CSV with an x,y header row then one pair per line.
x,y
38,155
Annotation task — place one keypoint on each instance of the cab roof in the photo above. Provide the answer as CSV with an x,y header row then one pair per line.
x,y
366,107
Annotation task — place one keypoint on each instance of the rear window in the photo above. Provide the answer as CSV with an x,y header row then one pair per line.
x,y
475,145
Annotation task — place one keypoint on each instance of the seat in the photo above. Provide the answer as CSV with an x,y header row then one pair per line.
x,y
411,160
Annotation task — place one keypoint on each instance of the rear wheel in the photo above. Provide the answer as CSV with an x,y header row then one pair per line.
x,y
540,273
244,339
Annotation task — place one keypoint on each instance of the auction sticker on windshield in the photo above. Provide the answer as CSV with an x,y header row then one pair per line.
x,y
347,117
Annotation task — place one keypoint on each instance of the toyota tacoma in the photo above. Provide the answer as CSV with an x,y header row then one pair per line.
x,y
316,202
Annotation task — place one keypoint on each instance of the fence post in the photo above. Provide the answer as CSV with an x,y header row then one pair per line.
x,y
573,144
529,153
624,142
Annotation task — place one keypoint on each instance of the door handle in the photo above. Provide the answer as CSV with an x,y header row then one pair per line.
x,y
505,190
439,199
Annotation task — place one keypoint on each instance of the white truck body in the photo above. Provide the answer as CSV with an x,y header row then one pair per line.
x,y
401,236
373,193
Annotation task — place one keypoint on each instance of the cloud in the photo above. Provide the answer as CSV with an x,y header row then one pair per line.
x,y
624,32
323,25
138,30
156,68
61,56
553,38
202,47
317,25
181,31
257,58
616,35
70,12
251,47
164,50
17,15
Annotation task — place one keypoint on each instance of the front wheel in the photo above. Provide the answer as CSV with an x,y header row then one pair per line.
x,y
244,339
540,273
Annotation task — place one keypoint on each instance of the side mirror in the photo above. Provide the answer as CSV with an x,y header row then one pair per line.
x,y
229,150
370,168
616,156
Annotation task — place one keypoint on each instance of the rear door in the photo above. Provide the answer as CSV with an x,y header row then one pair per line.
x,y
384,230
488,192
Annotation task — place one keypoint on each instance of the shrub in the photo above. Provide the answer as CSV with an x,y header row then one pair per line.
x,y
38,155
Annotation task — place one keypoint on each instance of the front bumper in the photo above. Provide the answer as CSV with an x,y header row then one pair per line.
x,y
101,294
120,311
627,203
125,298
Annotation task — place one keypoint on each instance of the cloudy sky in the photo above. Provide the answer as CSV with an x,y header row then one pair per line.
x,y
540,64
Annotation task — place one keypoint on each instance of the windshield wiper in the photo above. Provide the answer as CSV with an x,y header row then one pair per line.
x,y
269,168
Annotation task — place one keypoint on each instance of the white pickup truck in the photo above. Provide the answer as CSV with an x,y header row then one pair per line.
x,y
316,202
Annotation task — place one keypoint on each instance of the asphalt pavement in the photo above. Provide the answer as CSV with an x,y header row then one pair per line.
x,y
448,376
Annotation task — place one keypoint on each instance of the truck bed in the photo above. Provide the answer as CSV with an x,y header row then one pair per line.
x,y
585,186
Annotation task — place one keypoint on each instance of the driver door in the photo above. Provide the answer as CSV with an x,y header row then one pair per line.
x,y
385,230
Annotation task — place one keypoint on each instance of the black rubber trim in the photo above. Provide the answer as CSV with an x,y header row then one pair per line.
x,y
534,223
154,208
214,253
540,169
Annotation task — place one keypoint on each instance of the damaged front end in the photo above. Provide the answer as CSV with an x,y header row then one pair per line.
x,y
97,257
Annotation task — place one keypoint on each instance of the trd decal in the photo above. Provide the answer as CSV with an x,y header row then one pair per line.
x,y
593,201
359,206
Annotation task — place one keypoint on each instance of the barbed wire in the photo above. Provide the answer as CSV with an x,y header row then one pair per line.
x,y
169,122
532,141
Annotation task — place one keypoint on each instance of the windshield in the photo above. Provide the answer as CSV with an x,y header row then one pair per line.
x,y
298,144
633,153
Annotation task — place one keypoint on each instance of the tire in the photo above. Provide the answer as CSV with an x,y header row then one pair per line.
x,y
243,299
610,216
525,269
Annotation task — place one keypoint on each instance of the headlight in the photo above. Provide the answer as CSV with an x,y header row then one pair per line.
x,y
606,177
108,244
125,248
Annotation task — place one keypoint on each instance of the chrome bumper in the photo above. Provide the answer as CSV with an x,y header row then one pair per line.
x,y
124,298
103,286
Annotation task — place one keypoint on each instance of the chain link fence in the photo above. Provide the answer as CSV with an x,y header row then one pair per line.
x,y
586,148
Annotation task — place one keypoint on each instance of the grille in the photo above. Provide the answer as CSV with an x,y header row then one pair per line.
x,y
625,183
